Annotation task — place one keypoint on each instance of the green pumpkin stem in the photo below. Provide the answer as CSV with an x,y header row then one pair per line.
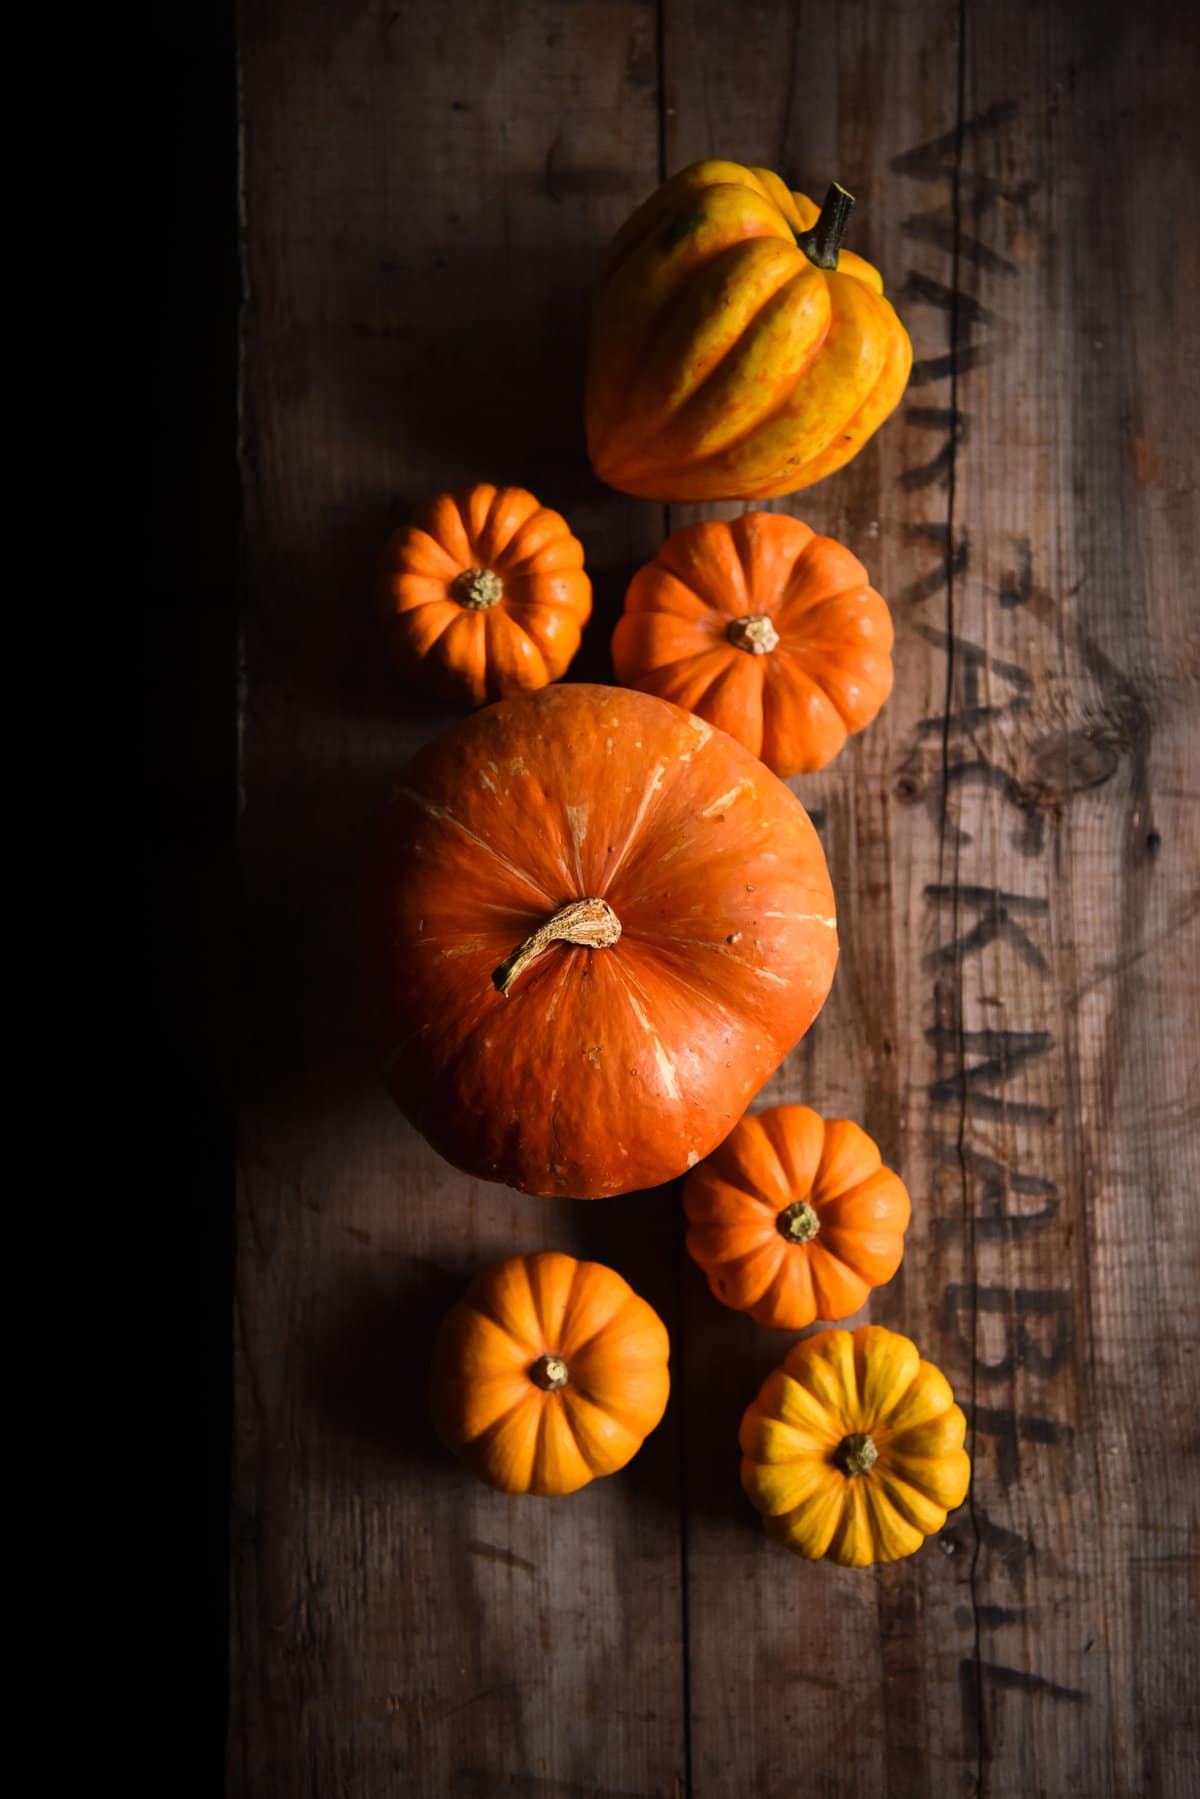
x,y
822,241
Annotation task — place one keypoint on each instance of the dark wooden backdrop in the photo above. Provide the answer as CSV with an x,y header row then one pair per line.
x,y
427,189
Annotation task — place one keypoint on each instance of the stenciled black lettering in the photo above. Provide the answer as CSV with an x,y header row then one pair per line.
x,y
952,566
1005,1053
956,426
963,1301
969,316
972,662
993,923
975,1676
1007,1428
995,1185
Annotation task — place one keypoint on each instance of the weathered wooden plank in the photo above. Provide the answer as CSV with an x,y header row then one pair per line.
x,y
1013,843
427,190
1011,1018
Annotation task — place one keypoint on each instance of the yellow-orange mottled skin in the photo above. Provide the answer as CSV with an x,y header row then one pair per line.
x,y
867,1384
487,1404
771,1163
724,364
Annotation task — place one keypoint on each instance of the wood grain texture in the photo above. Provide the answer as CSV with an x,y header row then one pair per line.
x,y
426,190
1014,845
994,846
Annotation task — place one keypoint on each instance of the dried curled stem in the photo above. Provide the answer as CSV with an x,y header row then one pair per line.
x,y
588,923
756,634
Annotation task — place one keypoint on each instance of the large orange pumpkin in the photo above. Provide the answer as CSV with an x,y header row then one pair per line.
x,y
547,1373
766,630
736,352
595,927
483,594
794,1217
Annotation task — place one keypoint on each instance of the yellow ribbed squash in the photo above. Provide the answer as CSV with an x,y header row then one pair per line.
x,y
736,351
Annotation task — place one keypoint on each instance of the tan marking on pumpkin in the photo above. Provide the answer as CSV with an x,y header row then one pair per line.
x,y
666,1067
485,780
577,823
726,800
444,816
593,1054
655,782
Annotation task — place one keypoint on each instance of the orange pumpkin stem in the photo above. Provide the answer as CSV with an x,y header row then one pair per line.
x,y
823,240
798,1223
549,1373
588,923
755,634
477,589
856,1454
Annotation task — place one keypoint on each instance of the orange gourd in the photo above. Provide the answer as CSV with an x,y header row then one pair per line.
x,y
794,1218
594,927
547,1373
483,594
736,351
854,1448
766,630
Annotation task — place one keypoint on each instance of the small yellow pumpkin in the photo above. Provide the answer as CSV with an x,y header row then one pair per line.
x,y
853,1449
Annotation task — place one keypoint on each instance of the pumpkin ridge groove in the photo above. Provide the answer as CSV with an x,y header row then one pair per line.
x,y
641,458
709,187
657,327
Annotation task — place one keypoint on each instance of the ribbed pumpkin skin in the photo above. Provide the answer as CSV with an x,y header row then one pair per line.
x,y
606,1069
772,1162
836,1385
724,365
517,642
825,678
487,1405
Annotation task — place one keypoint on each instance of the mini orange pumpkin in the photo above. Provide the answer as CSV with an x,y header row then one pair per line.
x,y
766,630
854,1448
547,1373
484,594
794,1217
736,353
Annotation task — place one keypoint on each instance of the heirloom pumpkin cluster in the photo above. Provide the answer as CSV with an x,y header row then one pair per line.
x,y
596,921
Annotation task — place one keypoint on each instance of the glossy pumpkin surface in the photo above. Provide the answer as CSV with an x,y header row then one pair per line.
x,y
483,594
795,1218
764,629
854,1448
547,1373
726,363
595,926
